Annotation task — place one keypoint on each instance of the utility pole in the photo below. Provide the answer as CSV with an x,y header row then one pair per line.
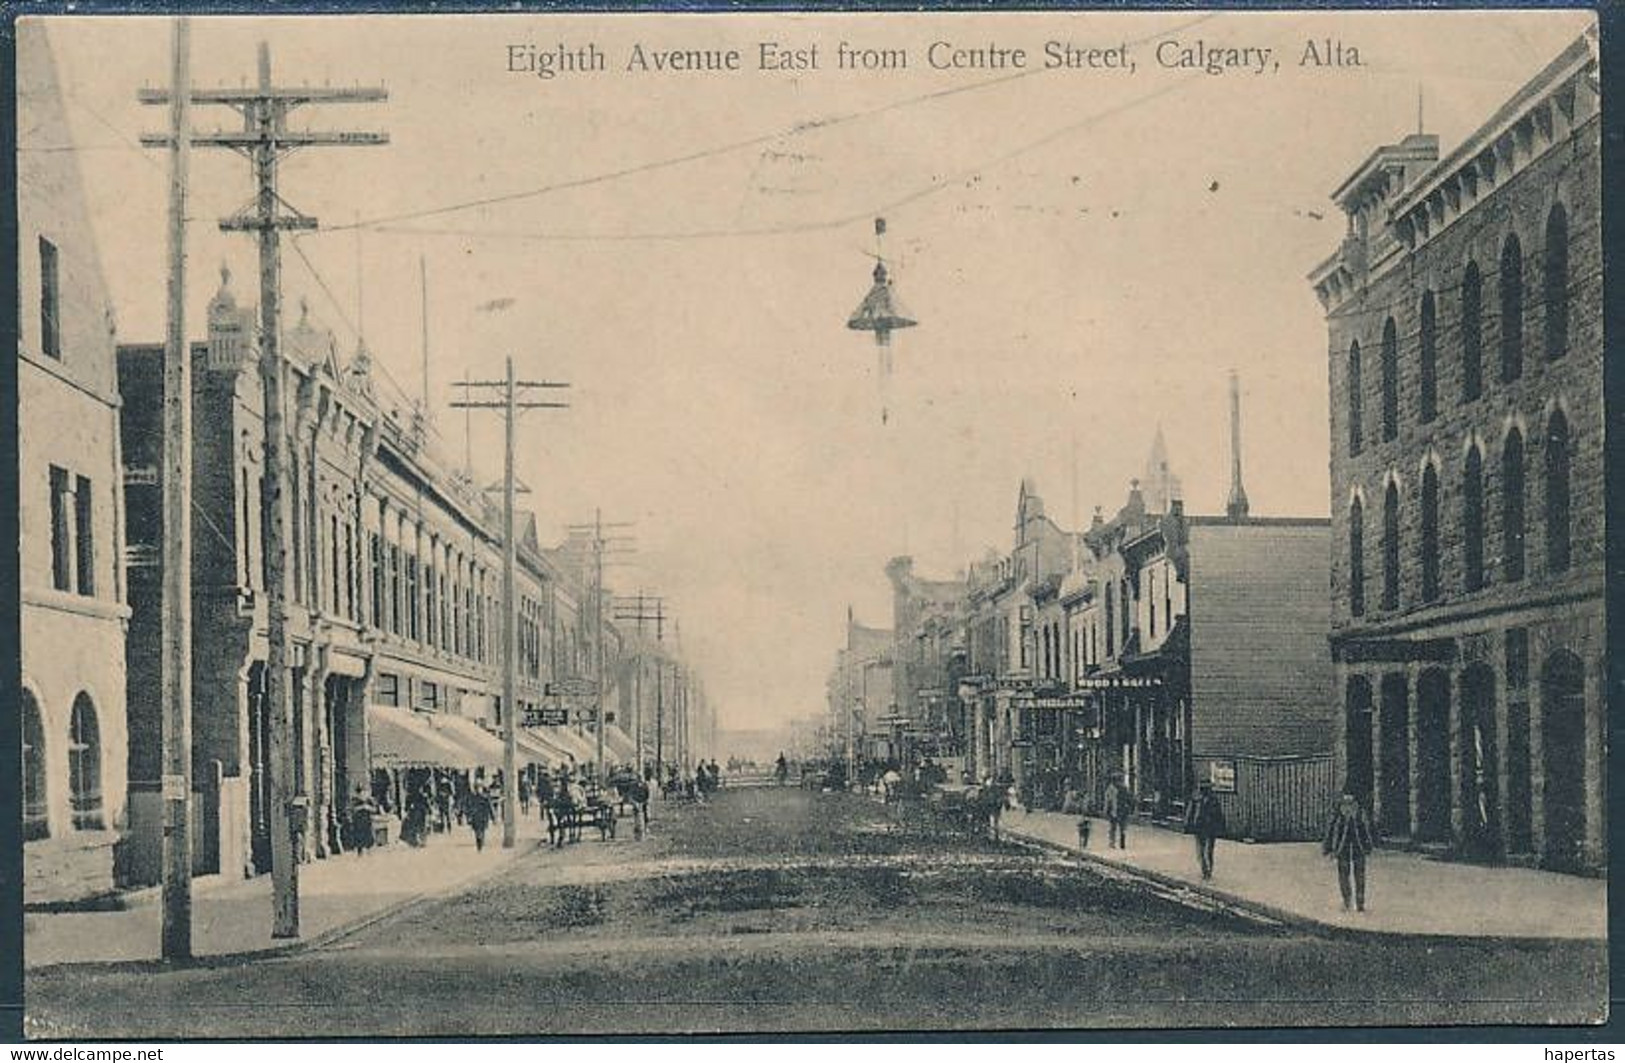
x,y
599,542
264,139
639,609
510,404
177,593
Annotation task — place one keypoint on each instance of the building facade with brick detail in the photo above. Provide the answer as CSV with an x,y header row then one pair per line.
x,y
1464,318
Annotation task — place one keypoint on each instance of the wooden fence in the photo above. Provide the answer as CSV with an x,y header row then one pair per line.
x,y
1280,798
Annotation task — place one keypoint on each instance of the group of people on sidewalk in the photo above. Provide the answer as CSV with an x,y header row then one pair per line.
x,y
1348,839
431,808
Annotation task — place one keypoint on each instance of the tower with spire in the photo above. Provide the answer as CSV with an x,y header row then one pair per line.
x,y
1235,507
1159,487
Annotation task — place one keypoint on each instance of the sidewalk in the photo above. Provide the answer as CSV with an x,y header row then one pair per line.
x,y
1406,893
233,916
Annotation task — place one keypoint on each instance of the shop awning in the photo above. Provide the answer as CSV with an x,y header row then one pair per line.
x,y
401,738
580,748
485,748
539,747
618,745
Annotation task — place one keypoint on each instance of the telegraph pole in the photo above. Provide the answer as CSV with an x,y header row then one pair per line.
x,y
510,404
177,593
638,609
264,139
599,542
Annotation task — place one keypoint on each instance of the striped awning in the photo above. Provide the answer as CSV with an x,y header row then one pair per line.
x,y
401,738
618,745
485,747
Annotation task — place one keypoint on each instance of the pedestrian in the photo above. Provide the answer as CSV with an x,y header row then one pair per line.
x,y
524,794
1205,820
1116,809
1349,839
362,808
480,814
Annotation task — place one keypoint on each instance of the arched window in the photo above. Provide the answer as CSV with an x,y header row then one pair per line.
x,y
1511,309
1472,519
1472,334
36,815
1512,495
1555,283
1429,355
1430,534
1353,382
1390,547
85,765
1390,381
1557,493
1356,558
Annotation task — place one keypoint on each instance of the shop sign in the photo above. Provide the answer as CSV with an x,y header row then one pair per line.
x,y
547,716
1118,682
1071,703
1222,774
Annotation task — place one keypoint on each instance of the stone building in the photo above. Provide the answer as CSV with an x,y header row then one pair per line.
x,y
74,605
395,616
928,658
1464,316
1004,643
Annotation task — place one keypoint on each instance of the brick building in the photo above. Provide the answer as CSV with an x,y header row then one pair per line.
x,y
1464,317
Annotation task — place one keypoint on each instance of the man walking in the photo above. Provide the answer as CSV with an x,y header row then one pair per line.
x,y
480,814
1349,839
1116,809
1205,820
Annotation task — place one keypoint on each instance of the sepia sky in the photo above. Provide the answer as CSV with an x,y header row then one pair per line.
x,y
1088,253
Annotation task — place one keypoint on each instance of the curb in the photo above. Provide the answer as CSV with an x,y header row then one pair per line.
x,y
298,945
1249,908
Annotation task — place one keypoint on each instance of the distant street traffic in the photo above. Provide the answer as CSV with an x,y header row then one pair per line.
x,y
781,910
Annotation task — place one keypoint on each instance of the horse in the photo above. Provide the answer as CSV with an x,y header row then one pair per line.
x,y
633,791
564,814
983,807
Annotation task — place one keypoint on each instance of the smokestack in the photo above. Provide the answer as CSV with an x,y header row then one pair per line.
x,y
1236,506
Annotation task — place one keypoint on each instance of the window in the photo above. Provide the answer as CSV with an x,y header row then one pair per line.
x,y
1356,559
84,537
50,305
431,696
1472,334
375,551
389,688
1511,310
1127,613
1555,283
1557,493
62,552
1111,620
1430,534
1429,356
1390,547
395,611
335,573
1390,381
36,813
85,766
1472,519
1512,506
412,604
246,552
1353,383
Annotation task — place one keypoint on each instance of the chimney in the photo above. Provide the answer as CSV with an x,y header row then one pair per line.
x,y
1236,506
